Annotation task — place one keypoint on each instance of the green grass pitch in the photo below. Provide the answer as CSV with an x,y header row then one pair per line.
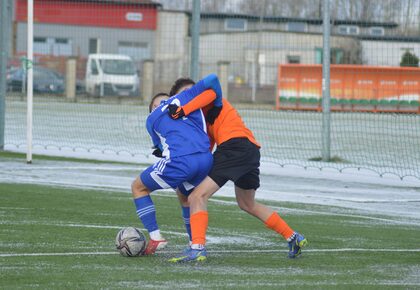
x,y
49,236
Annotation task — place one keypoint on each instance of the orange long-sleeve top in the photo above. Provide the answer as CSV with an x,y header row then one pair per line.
x,y
227,125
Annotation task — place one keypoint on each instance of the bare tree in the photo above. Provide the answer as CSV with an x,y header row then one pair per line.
x,y
286,8
176,4
353,53
404,12
407,16
213,6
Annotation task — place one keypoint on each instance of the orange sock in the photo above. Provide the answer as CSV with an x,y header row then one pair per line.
x,y
199,222
276,223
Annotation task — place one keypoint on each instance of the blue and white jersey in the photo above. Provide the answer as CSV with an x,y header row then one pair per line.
x,y
188,135
178,137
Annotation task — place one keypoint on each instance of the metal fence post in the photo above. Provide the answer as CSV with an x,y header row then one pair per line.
x,y
223,73
147,80
326,102
29,90
195,40
5,7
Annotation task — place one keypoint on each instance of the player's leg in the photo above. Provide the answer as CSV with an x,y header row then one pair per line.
x,y
146,211
227,165
197,198
199,189
185,206
245,188
219,174
161,175
246,201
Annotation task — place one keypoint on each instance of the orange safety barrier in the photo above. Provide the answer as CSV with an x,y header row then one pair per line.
x,y
352,88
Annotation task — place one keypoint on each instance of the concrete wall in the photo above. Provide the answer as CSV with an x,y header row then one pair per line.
x,y
171,56
80,35
217,25
240,49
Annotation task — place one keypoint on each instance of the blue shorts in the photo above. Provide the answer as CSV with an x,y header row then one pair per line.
x,y
184,172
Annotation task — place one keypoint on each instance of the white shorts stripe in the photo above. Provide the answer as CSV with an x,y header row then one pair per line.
x,y
188,186
162,165
162,183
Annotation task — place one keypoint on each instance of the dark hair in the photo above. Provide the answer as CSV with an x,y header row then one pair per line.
x,y
179,83
154,98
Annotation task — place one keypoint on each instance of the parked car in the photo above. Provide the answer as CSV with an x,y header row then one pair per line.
x,y
111,75
45,80
9,75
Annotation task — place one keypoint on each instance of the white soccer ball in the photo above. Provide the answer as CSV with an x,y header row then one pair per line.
x,y
130,242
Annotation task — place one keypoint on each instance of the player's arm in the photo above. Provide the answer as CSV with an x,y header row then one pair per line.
x,y
199,102
155,140
198,97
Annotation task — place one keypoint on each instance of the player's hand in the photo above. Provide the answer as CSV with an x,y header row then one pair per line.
x,y
212,114
175,112
157,152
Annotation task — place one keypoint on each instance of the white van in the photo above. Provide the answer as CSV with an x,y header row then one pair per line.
x,y
111,75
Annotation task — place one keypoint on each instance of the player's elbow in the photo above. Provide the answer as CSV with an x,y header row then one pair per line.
x,y
211,79
212,76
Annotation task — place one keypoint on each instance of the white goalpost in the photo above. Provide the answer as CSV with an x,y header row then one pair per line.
x,y
29,90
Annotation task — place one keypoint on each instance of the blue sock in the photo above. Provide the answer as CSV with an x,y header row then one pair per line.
x,y
186,217
146,212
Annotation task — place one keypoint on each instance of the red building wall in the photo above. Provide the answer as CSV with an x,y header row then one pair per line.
x,y
124,15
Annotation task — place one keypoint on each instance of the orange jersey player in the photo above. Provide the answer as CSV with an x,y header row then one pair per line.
x,y
237,158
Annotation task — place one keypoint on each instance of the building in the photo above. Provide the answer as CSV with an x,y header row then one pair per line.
x,y
252,46
81,27
230,22
387,50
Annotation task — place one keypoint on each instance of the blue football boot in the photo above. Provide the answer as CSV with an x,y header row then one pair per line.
x,y
191,255
296,243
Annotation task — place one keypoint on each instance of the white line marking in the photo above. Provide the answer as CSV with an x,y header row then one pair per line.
x,y
217,252
97,168
87,226
315,250
56,254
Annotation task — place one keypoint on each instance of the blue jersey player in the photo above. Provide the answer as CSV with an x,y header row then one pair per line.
x,y
185,158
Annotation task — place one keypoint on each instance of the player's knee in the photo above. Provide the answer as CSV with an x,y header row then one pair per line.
x,y
183,199
192,198
247,206
138,189
196,197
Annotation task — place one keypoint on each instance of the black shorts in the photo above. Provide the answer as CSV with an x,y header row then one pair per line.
x,y
237,159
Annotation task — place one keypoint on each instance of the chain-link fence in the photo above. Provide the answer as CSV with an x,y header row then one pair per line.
x,y
97,63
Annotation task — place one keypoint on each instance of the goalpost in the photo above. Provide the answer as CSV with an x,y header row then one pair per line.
x,y
29,68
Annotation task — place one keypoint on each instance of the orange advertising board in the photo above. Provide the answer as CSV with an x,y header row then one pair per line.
x,y
350,82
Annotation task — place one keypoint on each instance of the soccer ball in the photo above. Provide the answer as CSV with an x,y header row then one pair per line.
x,y
130,242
